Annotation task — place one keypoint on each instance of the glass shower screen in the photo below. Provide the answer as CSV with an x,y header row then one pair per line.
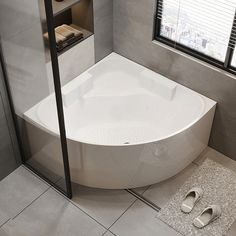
x,y
34,85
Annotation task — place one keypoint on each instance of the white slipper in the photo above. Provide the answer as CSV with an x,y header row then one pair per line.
x,y
191,198
209,214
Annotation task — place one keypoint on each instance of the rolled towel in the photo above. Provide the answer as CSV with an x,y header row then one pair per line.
x,y
72,29
64,32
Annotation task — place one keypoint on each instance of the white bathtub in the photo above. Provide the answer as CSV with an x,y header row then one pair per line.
x,y
126,125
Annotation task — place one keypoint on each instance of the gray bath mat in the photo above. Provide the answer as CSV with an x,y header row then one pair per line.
x,y
219,186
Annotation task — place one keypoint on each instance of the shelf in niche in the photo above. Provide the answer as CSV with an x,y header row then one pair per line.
x,y
58,7
77,13
86,34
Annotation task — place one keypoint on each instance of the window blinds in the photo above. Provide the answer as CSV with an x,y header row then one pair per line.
x,y
207,26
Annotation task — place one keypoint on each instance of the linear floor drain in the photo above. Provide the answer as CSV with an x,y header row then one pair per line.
x,y
144,200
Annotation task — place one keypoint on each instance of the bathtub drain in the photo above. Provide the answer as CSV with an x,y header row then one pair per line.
x,y
126,143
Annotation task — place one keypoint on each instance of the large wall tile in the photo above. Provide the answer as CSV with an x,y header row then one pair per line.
x,y
26,70
16,16
23,52
103,28
73,62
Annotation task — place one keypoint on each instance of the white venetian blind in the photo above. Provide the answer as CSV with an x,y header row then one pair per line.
x,y
202,25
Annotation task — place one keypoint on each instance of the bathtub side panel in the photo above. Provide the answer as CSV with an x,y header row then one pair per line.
x,y
138,165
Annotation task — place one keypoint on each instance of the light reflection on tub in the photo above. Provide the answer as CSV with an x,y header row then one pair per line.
x,y
126,125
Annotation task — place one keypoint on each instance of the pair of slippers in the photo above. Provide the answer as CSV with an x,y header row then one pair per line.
x,y
208,215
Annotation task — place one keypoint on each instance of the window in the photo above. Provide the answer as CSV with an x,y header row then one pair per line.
x,y
205,29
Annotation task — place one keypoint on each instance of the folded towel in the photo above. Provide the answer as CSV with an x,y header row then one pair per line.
x,y
64,32
59,38
65,36
72,29
68,42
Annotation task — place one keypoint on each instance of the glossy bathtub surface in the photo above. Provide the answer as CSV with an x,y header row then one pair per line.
x,y
115,104
124,116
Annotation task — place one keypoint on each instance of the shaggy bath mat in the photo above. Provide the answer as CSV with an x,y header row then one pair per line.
x,y
219,186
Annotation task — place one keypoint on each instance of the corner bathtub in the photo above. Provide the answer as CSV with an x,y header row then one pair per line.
x,y
127,126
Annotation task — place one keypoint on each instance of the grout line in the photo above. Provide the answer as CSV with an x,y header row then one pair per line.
x,y
30,171
75,205
5,223
169,226
109,232
144,200
105,232
112,233
30,203
87,214
146,189
122,214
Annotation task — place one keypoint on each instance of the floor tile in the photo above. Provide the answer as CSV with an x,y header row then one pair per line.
x,y
2,232
140,220
3,218
202,156
140,190
54,215
106,206
160,193
217,157
232,231
108,233
18,190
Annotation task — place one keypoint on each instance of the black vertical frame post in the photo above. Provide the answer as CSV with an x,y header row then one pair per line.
x,y
57,86
157,21
231,44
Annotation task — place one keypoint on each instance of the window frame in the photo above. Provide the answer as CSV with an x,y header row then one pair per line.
x,y
226,65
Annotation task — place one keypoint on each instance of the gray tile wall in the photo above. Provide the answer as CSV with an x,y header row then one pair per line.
x,y
23,48
132,32
132,37
7,158
103,28
9,154
9,119
23,51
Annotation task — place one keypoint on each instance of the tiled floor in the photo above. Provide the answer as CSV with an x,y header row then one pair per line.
x,y
30,207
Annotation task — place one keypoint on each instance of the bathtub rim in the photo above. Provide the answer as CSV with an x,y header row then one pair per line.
x,y
31,117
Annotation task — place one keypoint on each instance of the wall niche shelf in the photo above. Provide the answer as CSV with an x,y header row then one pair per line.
x,y
58,7
77,13
86,34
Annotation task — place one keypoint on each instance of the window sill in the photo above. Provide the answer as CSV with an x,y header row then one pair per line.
x,y
226,73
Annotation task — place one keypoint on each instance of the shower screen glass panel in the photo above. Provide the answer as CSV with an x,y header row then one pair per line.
x,y
31,83
8,156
